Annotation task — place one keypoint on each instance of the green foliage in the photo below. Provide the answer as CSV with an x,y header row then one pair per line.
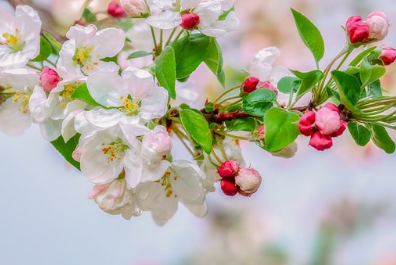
x,y
139,54
88,16
56,45
349,88
259,102
66,149
165,70
382,139
197,128
308,81
310,35
281,129
190,52
82,94
214,60
361,55
359,133
288,84
245,124
45,50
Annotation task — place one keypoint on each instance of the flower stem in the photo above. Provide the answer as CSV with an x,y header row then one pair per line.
x,y
34,67
225,93
170,37
154,40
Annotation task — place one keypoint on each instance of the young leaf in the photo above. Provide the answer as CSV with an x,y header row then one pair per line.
x,y
359,133
245,124
369,73
287,84
82,94
56,45
360,56
139,54
197,128
349,88
88,16
45,50
190,52
258,102
66,149
309,81
214,60
281,129
165,69
382,140
310,35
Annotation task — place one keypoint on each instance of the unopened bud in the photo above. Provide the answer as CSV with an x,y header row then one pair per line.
x,y
306,123
190,21
49,79
228,187
388,55
228,169
248,180
114,9
358,30
135,8
320,142
378,24
250,84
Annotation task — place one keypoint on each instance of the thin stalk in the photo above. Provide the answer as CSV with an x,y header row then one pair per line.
x,y
161,39
179,35
216,156
51,63
219,143
34,67
233,136
225,93
227,99
154,40
170,37
177,132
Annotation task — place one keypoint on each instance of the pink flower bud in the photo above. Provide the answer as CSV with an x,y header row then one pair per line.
x,y
388,55
270,86
340,131
135,8
250,84
306,123
248,180
261,132
228,169
228,187
320,142
327,121
115,10
358,30
49,79
156,143
378,25
190,21
332,106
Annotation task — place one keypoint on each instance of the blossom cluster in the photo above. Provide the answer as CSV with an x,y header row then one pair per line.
x,y
114,108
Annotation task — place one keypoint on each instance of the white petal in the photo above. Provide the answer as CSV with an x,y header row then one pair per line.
x,y
102,118
13,121
154,105
267,55
138,83
51,130
133,166
188,4
106,88
40,106
66,67
165,20
154,173
262,71
81,34
108,42
187,184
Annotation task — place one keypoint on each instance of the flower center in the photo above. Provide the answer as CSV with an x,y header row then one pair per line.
x,y
82,55
22,97
13,41
164,181
114,150
67,93
130,106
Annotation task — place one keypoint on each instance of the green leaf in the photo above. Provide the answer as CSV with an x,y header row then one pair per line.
x,y
139,54
66,149
382,139
309,81
310,35
369,73
165,70
88,16
245,124
197,128
190,52
359,133
45,50
360,56
258,102
349,89
281,129
56,45
288,84
214,60
375,89
82,93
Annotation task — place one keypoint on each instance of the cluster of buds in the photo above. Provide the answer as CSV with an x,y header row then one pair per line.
x,y
375,28
252,83
244,181
322,126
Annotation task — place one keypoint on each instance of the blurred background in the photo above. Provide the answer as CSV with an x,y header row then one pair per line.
x,y
336,207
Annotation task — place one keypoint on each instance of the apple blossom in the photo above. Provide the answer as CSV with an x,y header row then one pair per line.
x,y
82,53
248,180
327,121
19,37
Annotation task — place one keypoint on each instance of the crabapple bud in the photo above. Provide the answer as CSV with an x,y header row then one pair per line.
x,y
358,30
49,79
228,187
320,142
190,21
157,142
388,55
248,180
228,169
250,84
270,86
332,106
378,25
327,121
306,123
114,9
136,8
341,130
